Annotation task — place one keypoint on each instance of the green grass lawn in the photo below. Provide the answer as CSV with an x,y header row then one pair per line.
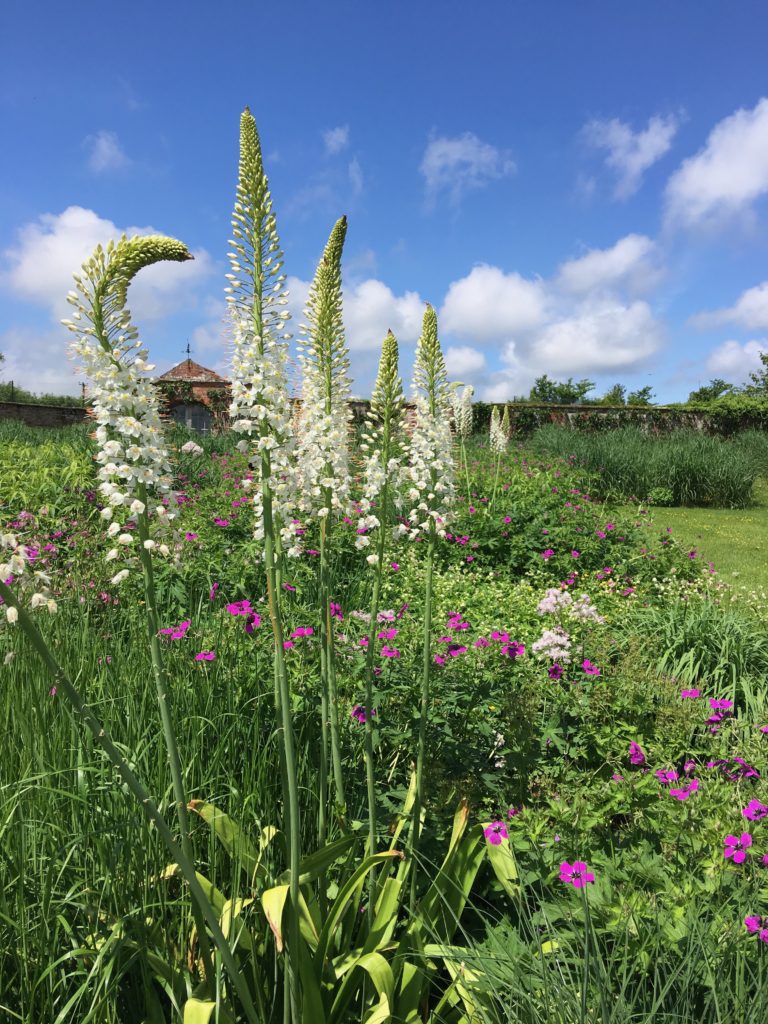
x,y
735,540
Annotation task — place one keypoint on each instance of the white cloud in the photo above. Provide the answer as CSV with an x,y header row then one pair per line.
x,y
336,139
726,175
457,165
600,335
735,361
105,152
356,180
750,310
488,305
627,263
630,153
37,361
463,360
371,309
49,250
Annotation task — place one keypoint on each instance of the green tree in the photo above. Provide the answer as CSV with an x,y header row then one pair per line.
x,y
643,396
709,392
551,392
617,395
758,381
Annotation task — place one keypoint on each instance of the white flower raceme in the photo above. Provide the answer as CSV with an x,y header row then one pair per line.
x,y
16,570
461,403
135,470
382,442
499,439
261,406
430,454
322,447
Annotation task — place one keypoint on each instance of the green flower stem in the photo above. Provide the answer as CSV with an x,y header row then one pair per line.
x,y
151,812
423,712
162,685
326,631
285,728
495,482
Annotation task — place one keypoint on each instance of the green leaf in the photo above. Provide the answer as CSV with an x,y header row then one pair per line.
x,y
503,863
315,864
237,844
273,901
202,1011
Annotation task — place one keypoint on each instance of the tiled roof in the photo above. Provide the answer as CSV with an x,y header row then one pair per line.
x,y
191,371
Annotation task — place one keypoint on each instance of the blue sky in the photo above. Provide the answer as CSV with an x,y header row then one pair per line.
x,y
579,189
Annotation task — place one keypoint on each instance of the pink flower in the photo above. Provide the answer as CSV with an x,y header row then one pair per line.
x,y
389,652
302,631
546,555
177,632
387,634
212,594
206,656
190,536
394,566
589,668
577,874
636,755
755,811
685,790
240,608
737,848
575,554
495,832
720,705
693,694
221,522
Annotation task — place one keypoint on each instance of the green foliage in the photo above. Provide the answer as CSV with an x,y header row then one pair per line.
x,y
558,393
709,392
697,469
10,392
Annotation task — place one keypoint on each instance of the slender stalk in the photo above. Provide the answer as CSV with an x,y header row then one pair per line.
x,y
326,632
285,728
162,685
423,712
102,738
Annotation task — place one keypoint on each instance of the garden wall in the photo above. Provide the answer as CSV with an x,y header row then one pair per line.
x,y
42,415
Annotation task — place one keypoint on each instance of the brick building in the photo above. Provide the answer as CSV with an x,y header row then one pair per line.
x,y
195,395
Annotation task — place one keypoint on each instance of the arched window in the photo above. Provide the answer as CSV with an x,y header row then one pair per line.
x,y
194,415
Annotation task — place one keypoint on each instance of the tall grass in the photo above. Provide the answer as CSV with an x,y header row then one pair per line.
x,y
682,468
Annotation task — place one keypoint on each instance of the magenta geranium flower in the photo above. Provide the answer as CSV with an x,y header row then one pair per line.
x,y
576,874
390,652
736,848
589,668
546,555
387,634
755,811
684,791
252,622
692,694
206,656
720,705
239,608
221,522
513,650
636,755
358,713
302,631
495,832
177,632
666,776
